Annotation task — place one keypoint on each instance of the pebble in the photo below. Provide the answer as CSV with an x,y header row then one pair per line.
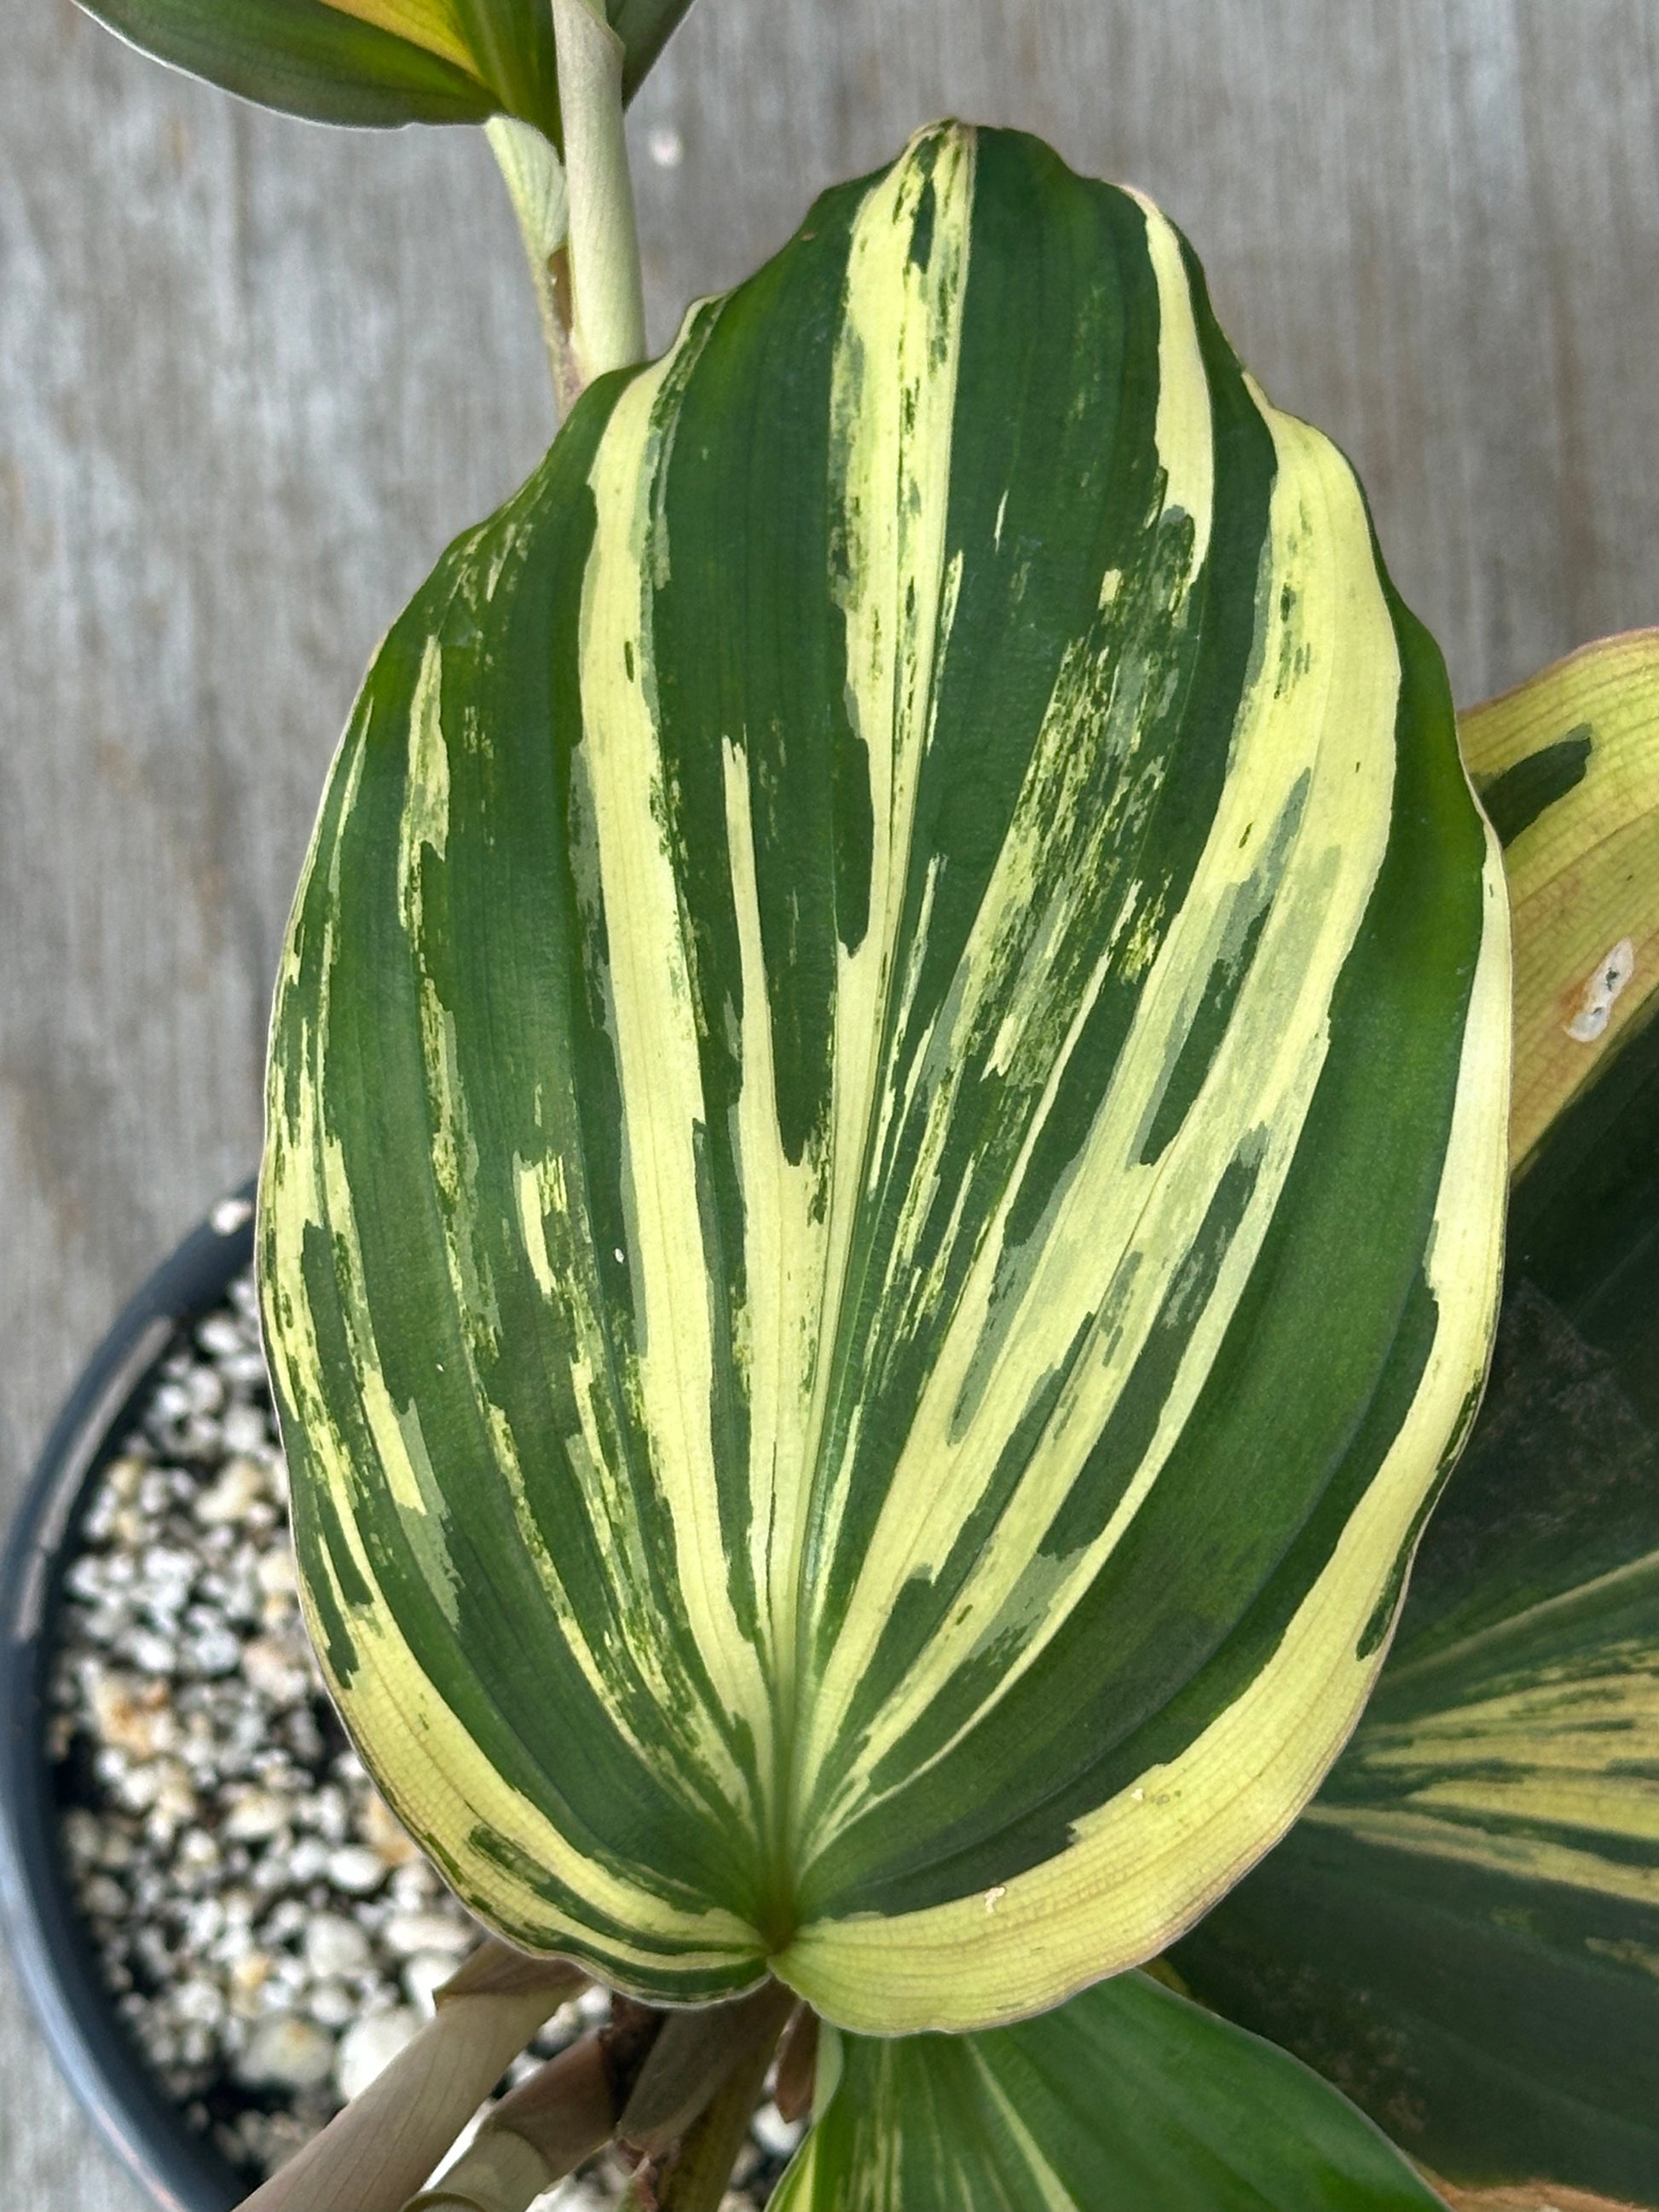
x,y
356,1870
389,1840
246,1431
254,1813
275,1571
227,1500
214,1650
308,1859
406,1933
152,1650
250,1970
334,1946
200,2002
221,1336
287,2053
275,1666
134,1715
773,2133
331,2005
102,1893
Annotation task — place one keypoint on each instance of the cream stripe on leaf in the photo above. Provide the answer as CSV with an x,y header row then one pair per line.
x,y
886,1129
1567,765
383,62
1129,2097
1463,1930
1305,792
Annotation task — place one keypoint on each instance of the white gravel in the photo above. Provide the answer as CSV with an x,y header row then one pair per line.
x,y
271,1934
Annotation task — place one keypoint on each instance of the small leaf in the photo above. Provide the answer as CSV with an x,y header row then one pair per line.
x,y
643,27
1567,766
382,62
307,57
1129,2099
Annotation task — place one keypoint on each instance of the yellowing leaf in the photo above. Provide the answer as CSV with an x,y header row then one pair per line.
x,y
429,23
1567,765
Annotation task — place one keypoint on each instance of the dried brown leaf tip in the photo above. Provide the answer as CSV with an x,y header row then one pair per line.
x,y
798,2063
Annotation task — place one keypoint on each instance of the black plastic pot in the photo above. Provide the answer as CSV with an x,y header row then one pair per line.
x,y
181,2171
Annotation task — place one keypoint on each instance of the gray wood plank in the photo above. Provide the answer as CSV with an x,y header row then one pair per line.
x,y
253,375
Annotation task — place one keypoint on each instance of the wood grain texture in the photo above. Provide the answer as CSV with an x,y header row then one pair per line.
x,y
253,375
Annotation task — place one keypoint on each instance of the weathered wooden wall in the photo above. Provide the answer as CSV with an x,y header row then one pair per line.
x,y
253,376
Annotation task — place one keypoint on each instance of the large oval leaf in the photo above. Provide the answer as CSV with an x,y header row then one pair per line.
x,y
1463,1931
886,1128
1126,2099
382,62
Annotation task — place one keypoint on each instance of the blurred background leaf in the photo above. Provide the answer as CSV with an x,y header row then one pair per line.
x,y
382,62
1463,1930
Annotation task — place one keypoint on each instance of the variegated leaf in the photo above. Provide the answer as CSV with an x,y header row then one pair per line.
x,y
1129,2099
886,1129
1567,765
383,61
1463,1930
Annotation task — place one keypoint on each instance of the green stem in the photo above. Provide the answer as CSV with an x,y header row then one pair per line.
x,y
694,2100
699,2173
694,2054
607,293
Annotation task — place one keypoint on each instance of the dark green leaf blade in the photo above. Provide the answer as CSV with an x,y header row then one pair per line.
x,y
1128,2099
511,45
644,27
1463,1932
382,63
302,57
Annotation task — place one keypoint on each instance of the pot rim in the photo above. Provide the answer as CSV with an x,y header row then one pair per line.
x,y
95,2051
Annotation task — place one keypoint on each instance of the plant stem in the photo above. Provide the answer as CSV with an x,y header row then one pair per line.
x,y
694,2056
535,180
544,2128
383,2146
535,2136
607,293
698,2174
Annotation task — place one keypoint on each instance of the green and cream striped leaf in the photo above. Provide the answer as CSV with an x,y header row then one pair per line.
x,y
383,62
1129,2097
1567,765
886,1129
1463,1930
